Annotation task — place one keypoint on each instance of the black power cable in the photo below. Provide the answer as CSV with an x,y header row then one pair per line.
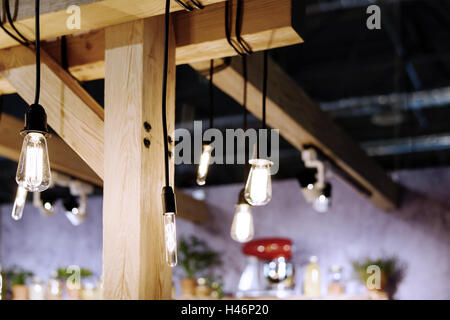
x,y
11,22
194,4
164,94
239,19
241,47
264,90
211,94
7,31
185,5
245,114
264,96
38,54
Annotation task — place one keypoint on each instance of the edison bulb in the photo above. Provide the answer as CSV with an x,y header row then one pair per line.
x,y
203,166
33,172
242,229
170,235
19,203
258,189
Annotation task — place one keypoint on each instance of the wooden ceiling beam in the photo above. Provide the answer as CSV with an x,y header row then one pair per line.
x,y
200,35
301,122
94,14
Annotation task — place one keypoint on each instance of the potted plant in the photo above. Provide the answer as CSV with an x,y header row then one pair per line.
x,y
17,279
194,257
72,280
391,273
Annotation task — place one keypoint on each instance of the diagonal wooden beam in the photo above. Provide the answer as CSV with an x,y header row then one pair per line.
x,y
301,122
200,36
62,157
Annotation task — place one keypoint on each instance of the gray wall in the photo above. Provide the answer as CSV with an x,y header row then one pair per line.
x,y
418,233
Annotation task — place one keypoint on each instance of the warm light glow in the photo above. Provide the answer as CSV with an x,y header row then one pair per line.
x,y
33,172
321,203
242,229
258,189
203,166
19,203
170,234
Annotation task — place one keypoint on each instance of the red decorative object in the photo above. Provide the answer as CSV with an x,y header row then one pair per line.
x,y
269,248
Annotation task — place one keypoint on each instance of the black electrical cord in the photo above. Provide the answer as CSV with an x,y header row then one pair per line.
x,y
197,4
164,94
211,94
244,100
244,45
11,22
245,114
184,5
264,94
8,32
64,57
228,20
38,54
264,90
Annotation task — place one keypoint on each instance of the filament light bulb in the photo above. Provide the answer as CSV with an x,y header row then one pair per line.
x,y
203,166
170,235
242,229
258,189
19,203
33,172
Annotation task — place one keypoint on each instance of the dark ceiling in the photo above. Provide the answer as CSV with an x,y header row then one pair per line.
x,y
372,82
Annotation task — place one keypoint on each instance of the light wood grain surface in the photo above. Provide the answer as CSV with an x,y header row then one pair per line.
x,y
134,265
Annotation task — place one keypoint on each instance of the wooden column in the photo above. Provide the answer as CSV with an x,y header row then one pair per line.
x,y
134,264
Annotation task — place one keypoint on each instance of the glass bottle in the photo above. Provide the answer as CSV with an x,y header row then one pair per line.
x,y
311,281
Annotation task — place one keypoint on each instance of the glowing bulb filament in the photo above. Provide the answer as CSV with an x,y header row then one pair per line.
x,y
33,172
258,189
19,203
170,235
242,229
203,166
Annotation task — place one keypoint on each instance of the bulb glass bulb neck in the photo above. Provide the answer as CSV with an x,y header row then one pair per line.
x,y
35,120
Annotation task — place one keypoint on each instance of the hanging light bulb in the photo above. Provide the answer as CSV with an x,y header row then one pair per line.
x,y
258,189
170,230
33,171
203,166
19,203
242,229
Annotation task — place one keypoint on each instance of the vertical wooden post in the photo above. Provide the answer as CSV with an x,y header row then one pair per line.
x,y
134,264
